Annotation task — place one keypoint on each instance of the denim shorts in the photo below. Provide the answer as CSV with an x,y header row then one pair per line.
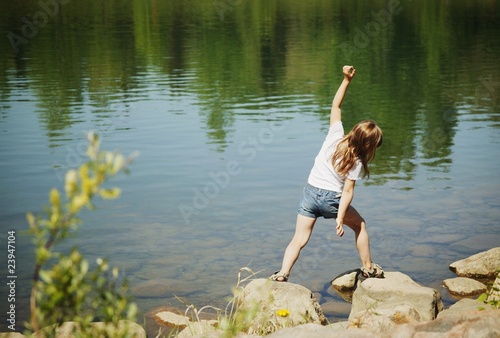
x,y
316,202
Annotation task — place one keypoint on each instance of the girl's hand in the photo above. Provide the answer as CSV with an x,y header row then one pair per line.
x,y
349,72
340,228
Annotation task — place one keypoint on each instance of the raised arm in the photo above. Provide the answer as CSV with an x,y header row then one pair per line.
x,y
335,113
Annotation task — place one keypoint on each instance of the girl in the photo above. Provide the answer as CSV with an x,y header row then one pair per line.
x,y
330,186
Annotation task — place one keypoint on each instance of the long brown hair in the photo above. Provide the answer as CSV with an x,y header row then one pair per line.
x,y
361,143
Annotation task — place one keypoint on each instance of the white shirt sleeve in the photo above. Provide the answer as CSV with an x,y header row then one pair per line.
x,y
356,172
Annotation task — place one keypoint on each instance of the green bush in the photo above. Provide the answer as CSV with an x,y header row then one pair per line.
x,y
64,287
492,296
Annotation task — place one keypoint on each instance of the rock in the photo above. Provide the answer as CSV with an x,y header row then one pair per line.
x,y
186,326
167,321
480,265
155,326
385,319
463,306
339,326
131,328
261,299
11,335
202,328
477,324
464,287
318,331
397,297
345,284
98,329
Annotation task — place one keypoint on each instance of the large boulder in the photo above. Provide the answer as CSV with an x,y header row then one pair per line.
x,y
319,331
476,324
481,265
464,306
97,329
270,306
11,335
385,319
382,303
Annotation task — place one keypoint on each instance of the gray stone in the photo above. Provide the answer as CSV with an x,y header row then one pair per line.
x,y
480,265
345,284
264,298
398,297
476,324
11,335
463,306
319,331
464,287
98,329
385,319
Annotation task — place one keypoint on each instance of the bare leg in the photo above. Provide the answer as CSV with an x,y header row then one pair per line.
x,y
303,230
354,221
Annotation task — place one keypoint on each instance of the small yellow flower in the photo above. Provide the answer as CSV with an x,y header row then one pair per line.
x,y
283,313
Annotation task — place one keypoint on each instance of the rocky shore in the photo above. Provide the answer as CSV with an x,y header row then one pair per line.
x,y
395,306
391,307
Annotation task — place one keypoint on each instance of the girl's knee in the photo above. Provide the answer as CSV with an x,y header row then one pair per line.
x,y
353,216
357,225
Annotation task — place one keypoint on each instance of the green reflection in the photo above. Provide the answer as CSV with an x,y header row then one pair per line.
x,y
417,61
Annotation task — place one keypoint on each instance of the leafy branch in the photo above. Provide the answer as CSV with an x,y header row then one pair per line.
x,y
68,291
492,297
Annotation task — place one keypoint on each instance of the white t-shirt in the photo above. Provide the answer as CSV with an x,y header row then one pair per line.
x,y
323,175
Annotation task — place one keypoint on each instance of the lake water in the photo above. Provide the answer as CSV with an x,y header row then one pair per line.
x,y
227,103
